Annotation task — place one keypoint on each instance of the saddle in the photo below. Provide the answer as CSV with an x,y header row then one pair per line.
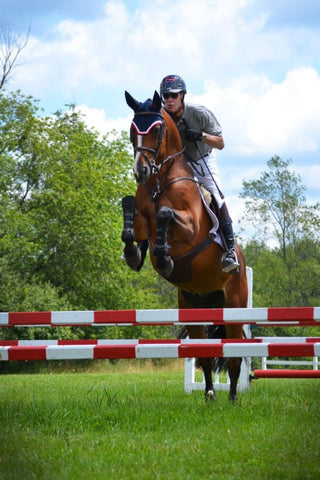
x,y
182,271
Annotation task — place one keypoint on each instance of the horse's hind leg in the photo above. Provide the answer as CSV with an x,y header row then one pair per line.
x,y
234,364
204,363
206,366
164,262
188,300
134,254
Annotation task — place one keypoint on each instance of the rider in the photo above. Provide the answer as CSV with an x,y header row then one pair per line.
x,y
200,133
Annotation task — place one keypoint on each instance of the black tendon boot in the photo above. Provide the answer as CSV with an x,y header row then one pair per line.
x,y
230,262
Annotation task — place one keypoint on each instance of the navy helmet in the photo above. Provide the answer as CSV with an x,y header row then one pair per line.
x,y
172,84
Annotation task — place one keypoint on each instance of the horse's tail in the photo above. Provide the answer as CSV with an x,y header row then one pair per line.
x,y
217,331
213,331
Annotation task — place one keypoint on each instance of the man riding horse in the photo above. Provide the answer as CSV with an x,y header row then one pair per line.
x,y
201,133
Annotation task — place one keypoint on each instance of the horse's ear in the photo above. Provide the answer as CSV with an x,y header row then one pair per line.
x,y
156,102
131,101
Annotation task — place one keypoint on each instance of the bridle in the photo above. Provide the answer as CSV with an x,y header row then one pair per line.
x,y
154,166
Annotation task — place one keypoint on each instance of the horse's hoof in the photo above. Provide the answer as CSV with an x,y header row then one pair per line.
x,y
133,261
233,398
166,268
210,396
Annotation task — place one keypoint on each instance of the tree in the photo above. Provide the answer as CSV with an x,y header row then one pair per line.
x,y
60,211
60,195
11,45
294,281
276,203
287,274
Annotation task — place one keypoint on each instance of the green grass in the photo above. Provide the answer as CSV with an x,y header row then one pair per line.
x,y
143,426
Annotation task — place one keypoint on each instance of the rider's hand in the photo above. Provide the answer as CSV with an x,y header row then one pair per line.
x,y
193,134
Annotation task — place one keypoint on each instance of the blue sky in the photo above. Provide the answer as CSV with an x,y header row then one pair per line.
x,y
255,63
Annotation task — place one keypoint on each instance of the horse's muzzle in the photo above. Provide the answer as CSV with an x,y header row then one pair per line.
x,y
142,173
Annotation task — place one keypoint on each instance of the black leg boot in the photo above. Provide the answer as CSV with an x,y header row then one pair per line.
x,y
230,262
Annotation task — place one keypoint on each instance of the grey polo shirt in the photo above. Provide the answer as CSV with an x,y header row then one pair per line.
x,y
199,117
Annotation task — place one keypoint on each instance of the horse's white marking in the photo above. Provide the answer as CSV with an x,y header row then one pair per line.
x,y
137,156
210,395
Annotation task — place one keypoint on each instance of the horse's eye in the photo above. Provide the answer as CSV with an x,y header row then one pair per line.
x,y
156,131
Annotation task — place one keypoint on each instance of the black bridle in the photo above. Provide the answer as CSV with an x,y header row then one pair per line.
x,y
154,166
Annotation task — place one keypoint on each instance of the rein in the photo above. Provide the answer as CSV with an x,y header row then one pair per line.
x,y
154,167
159,191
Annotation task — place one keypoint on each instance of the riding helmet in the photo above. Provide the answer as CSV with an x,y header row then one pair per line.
x,y
173,84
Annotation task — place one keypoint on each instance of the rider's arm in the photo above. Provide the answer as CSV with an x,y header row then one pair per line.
x,y
215,141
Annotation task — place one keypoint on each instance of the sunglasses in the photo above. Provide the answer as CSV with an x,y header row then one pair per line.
x,y
168,95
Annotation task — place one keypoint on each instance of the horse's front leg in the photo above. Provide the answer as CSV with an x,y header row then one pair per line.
x,y
164,262
134,253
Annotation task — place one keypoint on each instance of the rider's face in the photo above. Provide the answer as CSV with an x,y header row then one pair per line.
x,y
173,102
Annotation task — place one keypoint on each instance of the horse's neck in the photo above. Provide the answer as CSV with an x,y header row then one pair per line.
x,y
174,147
181,168
173,136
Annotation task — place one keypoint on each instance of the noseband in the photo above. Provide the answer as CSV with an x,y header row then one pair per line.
x,y
152,163
154,167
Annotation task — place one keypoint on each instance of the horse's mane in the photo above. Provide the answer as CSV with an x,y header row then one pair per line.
x,y
174,139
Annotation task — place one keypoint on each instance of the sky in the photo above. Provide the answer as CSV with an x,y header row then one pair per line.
x,y
254,63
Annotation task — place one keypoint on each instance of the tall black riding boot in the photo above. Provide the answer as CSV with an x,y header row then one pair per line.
x,y
230,262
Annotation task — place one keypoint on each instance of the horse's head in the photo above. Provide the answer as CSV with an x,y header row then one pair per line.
x,y
146,135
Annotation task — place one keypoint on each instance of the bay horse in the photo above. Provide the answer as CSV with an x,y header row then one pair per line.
x,y
168,215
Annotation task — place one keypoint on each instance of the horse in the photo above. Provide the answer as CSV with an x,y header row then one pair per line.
x,y
169,215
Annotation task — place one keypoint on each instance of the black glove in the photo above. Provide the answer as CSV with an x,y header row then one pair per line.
x,y
193,134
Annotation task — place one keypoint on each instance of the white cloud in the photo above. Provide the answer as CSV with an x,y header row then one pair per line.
x,y
310,176
286,114
262,117
258,116
96,118
135,48
139,47
261,78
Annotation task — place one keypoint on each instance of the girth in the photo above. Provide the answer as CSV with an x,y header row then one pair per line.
x,y
182,271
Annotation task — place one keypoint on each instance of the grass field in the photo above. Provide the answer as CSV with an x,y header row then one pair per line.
x,y
138,425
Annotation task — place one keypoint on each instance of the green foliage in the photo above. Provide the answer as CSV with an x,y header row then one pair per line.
x,y
294,281
277,208
60,213
290,282
287,275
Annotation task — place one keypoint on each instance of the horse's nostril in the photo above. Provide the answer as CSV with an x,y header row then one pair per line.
x,y
141,173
